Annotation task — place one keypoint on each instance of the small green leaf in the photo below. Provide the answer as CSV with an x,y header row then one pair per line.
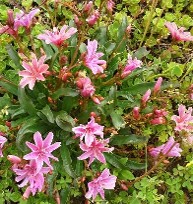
x,y
141,52
10,87
65,195
113,160
65,92
126,175
140,88
14,56
65,121
117,120
48,113
67,161
128,139
135,165
26,102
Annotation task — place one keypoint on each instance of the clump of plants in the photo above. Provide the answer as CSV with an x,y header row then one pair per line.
x,y
96,102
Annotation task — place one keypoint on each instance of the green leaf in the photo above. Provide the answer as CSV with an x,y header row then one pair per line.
x,y
67,161
126,175
117,120
10,87
140,88
135,165
128,139
48,113
26,102
65,195
113,160
79,167
65,121
177,71
122,28
51,181
141,52
65,92
13,55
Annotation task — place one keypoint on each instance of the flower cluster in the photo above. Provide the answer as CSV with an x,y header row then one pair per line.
x,y
21,20
94,149
32,173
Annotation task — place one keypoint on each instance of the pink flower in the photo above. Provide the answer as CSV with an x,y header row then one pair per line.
x,y
157,85
57,37
89,131
29,175
146,97
95,150
3,140
41,150
185,119
93,18
160,113
85,86
178,34
132,64
97,186
91,59
163,149
23,19
33,71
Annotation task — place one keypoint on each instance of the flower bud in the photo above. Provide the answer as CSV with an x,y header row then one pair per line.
x,y
14,159
87,8
136,113
93,18
146,97
158,121
10,20
157,85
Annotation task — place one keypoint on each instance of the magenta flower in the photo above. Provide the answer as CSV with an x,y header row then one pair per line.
x,y
163,149
93,18
3,140
29,175
132,64
185,119
41,150
57,37
95,150
33,71
85,86
23,19
89,131
97,186
91,59
178,34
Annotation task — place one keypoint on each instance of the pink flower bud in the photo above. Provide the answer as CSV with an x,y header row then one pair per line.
x,y
136,113
146,97
93,18
110,5
96,100
87,8
10,20
85,86
158,85
160,113
158,121
128,30
14,159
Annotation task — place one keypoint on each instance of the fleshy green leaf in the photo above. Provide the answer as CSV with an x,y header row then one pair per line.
x,y
65,92
128,139
113,160
26,102
48,113
117,120
67,161
65,121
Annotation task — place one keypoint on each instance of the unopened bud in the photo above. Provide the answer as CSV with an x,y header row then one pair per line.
x,y
158,121
10,20
14,159
93,18
87,8
157,85
96,100
146,97
136,113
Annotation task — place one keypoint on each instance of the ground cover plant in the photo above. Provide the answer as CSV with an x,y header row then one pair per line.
x,y
96,101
